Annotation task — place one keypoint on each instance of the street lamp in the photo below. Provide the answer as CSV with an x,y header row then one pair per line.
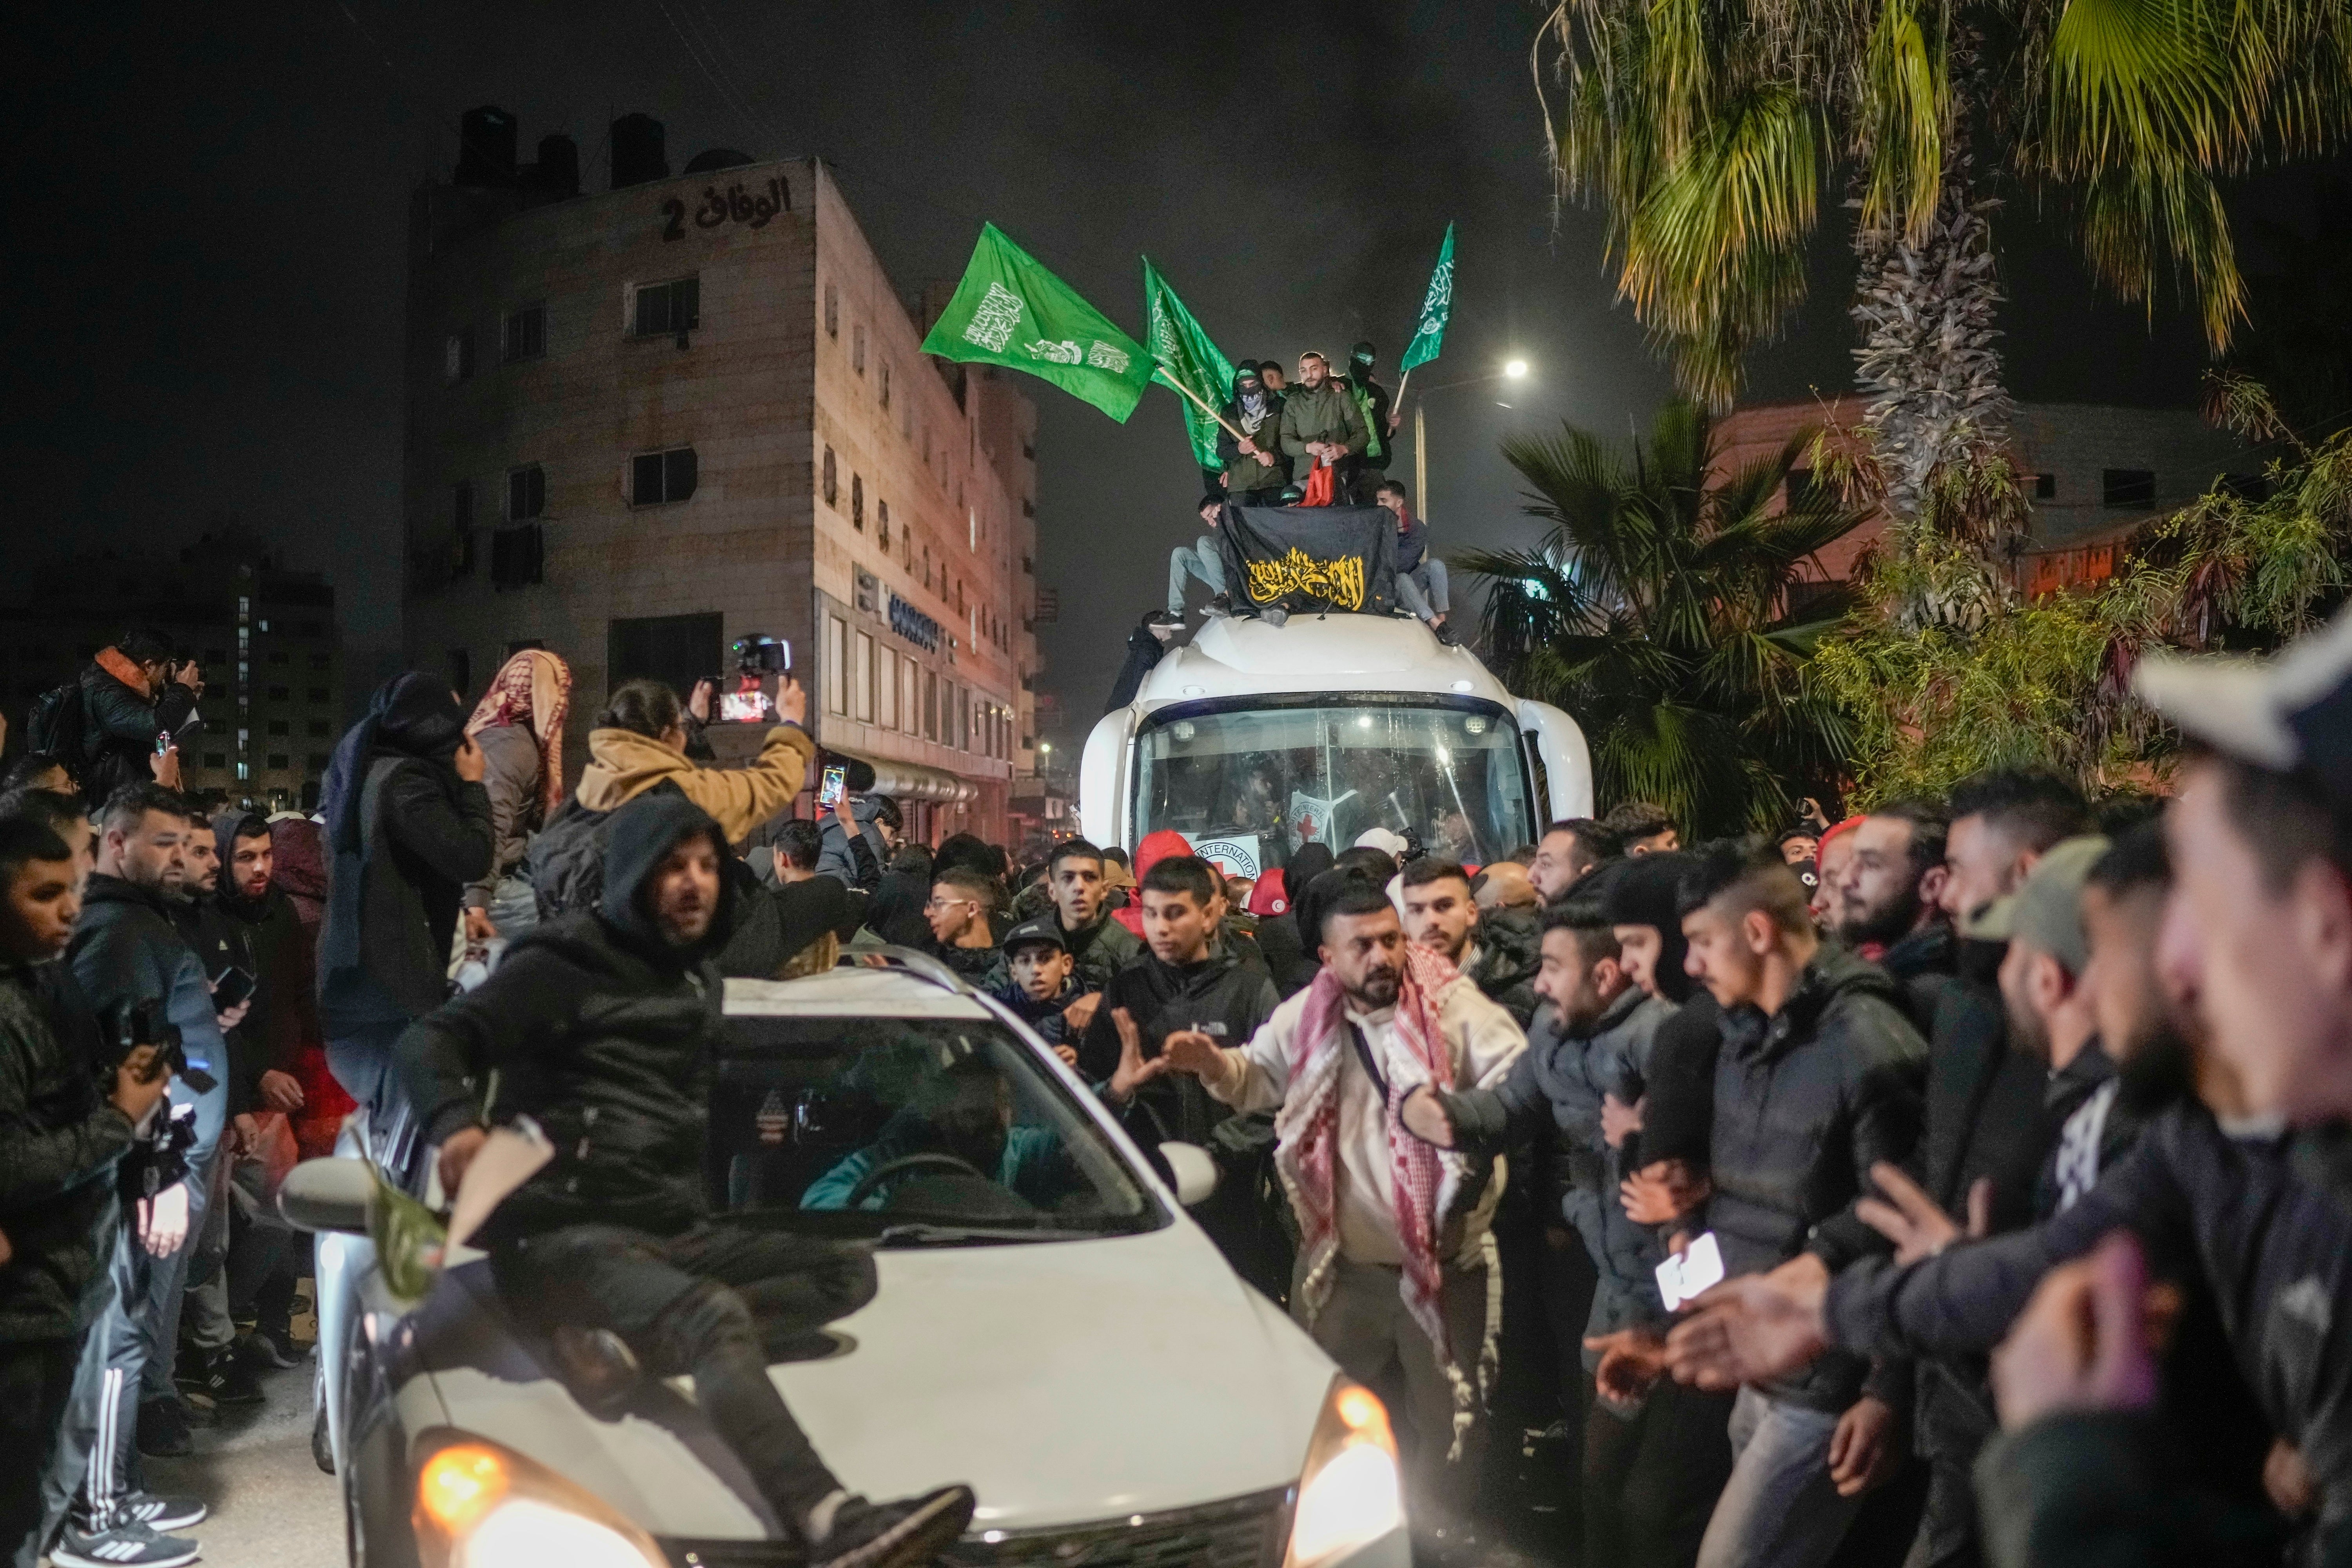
x,y
1513,370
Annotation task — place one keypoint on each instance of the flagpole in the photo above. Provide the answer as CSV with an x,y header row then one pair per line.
x,y
1170,381
1403,382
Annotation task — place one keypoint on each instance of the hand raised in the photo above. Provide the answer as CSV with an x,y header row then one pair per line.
x,y
1753,1327
1133,1071
1190,1050
469,761
1912,1220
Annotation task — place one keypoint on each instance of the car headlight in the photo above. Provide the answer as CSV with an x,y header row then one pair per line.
x,y
1349,1494
482,1505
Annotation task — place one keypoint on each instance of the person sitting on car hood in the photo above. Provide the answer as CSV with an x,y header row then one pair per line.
x,y
600,1024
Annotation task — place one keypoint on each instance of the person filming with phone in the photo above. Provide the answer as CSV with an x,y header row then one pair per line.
x,y
121,720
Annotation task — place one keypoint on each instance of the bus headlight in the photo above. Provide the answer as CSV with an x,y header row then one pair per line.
x,y
482,1505
1350,1493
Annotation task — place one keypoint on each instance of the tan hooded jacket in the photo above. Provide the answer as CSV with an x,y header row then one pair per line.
x,y
623,764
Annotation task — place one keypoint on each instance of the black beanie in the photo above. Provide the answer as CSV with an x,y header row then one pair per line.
x,y
1644,894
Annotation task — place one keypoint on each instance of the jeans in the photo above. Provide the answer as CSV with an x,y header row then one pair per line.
x,y
1199,560
1365,1327
1779,1509
714,1302
514,909
36,1380
1422,590
1652,1475
156,1287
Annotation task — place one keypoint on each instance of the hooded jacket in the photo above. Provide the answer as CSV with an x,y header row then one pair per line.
x,y
284,1018
602,1032
834,857
1806,1101
510,769
1325,413
623,764
1220,992
405,834
299,850
126,950
61,1141
1244,473
120,722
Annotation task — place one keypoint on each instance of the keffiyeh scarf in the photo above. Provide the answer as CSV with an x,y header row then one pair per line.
x,y
534,691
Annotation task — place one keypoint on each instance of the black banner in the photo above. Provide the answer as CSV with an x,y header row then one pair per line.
x,y
1309,559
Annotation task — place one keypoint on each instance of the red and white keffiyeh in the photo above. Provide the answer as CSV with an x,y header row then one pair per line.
x,y
532,690
1426,1179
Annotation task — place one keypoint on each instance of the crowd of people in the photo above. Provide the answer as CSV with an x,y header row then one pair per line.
x,y
1960,1182
1326,439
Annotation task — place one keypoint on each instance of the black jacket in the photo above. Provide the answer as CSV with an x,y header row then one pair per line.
x,y
60,1143
426,833
1805,1101
602,1032
120,724
1509,952
2274,1252
220,942
1220,993
1924,965
126,949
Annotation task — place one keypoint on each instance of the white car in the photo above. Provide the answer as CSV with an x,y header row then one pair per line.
x,y
1051,1328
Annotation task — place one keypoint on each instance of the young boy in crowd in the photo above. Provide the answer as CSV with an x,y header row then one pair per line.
x,y
1039,957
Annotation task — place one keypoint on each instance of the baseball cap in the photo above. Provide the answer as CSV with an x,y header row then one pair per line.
x,y
2291,712
2046,911
1045,928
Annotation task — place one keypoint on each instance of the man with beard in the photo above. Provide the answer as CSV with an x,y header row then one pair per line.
x,y
1392,1272
1567,851
1497,949
1321,428
607,1019
1890,909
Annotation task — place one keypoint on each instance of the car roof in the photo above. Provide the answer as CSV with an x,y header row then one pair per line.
x,y
900,990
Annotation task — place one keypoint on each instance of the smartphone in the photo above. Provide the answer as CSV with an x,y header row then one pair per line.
x,y
828,794
162,742
749,706
231,986
1699,1267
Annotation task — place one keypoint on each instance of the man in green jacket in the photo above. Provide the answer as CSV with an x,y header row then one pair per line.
x,y
1321,427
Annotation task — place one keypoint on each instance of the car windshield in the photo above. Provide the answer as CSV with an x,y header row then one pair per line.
x,y
918,1131
1249,786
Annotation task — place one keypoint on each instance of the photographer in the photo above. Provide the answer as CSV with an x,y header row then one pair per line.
x,y
639,744
127,954
130,694
874,816
63,1127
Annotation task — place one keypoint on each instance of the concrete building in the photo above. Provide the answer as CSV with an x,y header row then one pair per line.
x,y
2094,472
264,636
646,422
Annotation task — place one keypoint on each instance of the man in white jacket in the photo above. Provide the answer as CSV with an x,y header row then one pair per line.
x,y
1396,1269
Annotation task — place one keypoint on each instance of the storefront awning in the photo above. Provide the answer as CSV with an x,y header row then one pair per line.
x,y
911,781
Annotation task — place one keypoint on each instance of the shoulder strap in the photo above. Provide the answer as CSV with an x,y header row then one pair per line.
x,y
1364,1055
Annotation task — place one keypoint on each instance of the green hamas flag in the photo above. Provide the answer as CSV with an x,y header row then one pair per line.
x,y
1187,361
1009,310
1430,336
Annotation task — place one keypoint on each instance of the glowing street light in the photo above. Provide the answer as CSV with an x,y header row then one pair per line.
x,y
1516,370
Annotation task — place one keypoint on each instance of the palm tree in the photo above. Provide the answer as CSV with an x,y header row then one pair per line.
x,y
1657,611
1710,130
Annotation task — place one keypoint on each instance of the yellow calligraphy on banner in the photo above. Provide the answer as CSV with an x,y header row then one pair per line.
x,y
1338,582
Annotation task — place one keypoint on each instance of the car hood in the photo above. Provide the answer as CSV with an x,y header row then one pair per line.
x,y
1066,1383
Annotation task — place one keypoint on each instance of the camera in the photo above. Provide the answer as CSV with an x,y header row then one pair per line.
x,y
146,1022
750,696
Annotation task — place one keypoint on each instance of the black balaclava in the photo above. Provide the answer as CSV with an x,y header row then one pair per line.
x,y
1644,894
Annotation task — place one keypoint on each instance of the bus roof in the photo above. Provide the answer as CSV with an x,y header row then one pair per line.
x,y
1236,657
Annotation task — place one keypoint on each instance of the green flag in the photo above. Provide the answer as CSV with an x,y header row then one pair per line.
x,y
1009,310
1187,360
1431,334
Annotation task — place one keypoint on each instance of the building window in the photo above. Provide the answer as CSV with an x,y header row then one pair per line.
x,y
861,679
316,761
658,477
526,493
931,705
882,373
278,694
836,646
676,649
666,308
2046,487
280,727
316,728
882,524
832,312
2128,489
526,334
886,707
277,759
858,348
517,556
216,759
457,356
831,482
858,502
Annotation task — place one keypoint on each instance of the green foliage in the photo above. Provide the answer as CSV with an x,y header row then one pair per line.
x,y
1654,611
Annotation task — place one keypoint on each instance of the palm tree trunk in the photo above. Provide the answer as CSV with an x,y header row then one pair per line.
x,y
1927,363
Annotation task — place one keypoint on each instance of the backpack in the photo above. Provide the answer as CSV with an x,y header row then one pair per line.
x,y
54,726
565,862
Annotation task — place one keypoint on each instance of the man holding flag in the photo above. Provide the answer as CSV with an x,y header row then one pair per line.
x,y
1379,423
1250,445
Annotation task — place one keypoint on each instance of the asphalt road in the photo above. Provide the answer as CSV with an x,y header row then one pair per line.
x,y
272,1507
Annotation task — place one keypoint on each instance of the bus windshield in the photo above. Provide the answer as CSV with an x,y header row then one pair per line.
x,y
1248,786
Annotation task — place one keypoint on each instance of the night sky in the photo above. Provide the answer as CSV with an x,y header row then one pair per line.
x,y
208,217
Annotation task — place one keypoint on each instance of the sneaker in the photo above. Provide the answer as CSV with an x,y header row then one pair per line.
x,y
1158,618
270,1347
1221,606
222,1377
164,1430
157,1512
1274,615
128,1544
905,1534
1445,634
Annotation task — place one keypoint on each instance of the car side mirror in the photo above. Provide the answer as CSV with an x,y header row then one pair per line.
x,y
1195,1173
332,1193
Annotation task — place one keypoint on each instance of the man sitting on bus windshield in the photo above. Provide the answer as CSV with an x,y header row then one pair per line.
x,y
1419,576
957,1124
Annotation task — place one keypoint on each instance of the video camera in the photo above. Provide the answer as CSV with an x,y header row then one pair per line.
x,y
144,1022
750,696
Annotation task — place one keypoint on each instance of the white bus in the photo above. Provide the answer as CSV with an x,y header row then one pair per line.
x,y
1252,740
